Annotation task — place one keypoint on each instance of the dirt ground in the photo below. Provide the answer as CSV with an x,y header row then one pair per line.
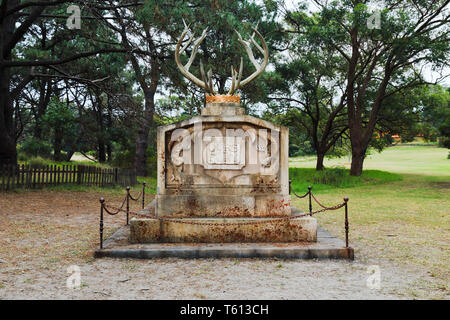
x,y
42,233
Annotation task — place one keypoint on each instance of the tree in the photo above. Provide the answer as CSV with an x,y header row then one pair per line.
x,y
150,33
380,59
308,79
60,120
17,18
435,109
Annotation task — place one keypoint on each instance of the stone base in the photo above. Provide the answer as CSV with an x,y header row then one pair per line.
x,y
223,109
326,247
222,206
154,230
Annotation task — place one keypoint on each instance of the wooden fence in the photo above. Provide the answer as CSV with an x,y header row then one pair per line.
x,y
29,177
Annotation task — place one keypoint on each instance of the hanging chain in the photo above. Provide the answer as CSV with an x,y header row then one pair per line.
x,y
180,220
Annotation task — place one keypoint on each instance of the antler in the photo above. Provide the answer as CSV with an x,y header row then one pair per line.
x,y
207,79
236,77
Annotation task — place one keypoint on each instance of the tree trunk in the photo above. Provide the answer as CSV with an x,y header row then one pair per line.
x,y
45,93
57,146
101,151
69,155
8,152
140,163
358,155
319,162
110,125
109,151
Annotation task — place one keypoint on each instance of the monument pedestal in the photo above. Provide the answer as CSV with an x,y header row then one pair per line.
x,y
223,230
223,177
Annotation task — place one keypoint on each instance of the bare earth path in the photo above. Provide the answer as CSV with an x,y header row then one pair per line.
x,y
44,232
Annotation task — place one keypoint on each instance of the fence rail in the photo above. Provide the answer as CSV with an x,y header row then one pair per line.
x,y
31,177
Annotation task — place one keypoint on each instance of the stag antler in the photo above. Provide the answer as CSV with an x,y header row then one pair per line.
x,y
207,80
236,76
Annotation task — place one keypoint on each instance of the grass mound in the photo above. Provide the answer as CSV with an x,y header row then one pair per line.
x,y
332,178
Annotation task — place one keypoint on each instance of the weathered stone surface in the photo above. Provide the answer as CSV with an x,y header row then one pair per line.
x,y
224,109
326,247
223,167
303,229
200,205
145,230
216,156
293,230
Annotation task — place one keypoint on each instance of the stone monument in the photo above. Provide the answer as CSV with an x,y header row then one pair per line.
x,y
223,176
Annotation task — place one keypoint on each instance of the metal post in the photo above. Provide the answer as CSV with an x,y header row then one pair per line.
x,y
310,203
143,195
128,203
102,203
290,186
346,221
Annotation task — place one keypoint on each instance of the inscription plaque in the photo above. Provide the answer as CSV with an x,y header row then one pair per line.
x,y
224,153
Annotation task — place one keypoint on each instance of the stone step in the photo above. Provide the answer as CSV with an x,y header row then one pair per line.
x,y
222,230
326,247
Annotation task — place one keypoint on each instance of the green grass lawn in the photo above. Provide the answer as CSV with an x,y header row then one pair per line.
x,y
423,160
402,215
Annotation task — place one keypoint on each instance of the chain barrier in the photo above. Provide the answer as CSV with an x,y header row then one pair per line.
x,y
130,212
225,224
300,197
215,224
317,201
138,197
115,208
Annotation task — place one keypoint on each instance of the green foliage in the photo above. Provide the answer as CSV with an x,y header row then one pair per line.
x,y
22,157
302,88
152,162
445,142
37,162
123,159
299,141
96,103
59,115
378,61
34,147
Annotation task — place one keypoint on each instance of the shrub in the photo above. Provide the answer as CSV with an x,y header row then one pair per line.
x,y
123,159
152,164
331,176
22,157
37,162
337,177
34,147
444,142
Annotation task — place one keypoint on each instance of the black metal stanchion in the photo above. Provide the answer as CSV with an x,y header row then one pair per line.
x,y
128,203
102,204
143,195
310,203
346,221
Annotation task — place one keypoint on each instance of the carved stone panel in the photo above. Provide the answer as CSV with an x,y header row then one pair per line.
x,y
220,154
